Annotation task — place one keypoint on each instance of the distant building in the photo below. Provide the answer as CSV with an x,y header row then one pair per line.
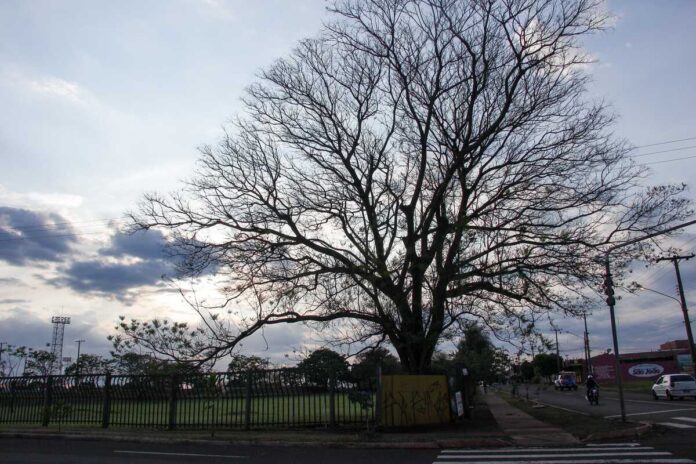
x,y
672,357
675,345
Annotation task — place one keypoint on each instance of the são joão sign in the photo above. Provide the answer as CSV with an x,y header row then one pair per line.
x,y
645,370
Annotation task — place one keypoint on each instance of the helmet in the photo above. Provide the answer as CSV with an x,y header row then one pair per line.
x,y
589,376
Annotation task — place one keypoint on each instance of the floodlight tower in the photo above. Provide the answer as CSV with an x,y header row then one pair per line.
x,y
59,323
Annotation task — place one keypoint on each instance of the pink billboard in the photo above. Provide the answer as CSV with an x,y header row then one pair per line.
x,y
635,366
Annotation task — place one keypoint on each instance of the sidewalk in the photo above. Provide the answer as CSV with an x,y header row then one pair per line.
x,y
504,426
523,428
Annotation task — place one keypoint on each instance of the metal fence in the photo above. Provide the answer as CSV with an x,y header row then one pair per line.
x,y
229,400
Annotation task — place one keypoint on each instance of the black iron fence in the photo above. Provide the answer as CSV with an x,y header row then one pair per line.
x,y
229,400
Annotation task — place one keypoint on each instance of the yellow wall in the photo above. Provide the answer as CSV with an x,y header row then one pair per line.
x,y
414,400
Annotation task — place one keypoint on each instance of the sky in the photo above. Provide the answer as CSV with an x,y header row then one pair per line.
x,y
102,101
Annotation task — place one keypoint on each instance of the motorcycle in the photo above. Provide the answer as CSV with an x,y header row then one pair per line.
x,y
593,395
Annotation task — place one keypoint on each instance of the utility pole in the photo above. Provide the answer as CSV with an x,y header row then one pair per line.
x,y
611,301
2,372
588,355
558,352
77,361
689,335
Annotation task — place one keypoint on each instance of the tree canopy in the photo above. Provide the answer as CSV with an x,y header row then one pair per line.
x,y
417,165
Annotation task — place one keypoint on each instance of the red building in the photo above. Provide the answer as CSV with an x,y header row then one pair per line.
x,y
672,358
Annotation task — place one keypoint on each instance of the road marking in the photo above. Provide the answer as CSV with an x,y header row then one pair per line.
x,y
582,461
676,425
604,453
609,447
190,455
648,413
560,455
564,409
636,401
688,419
617,444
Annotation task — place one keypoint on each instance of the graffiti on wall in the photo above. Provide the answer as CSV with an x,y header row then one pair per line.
x,y
415,400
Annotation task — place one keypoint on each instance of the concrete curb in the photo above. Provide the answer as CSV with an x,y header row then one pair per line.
x,y
474,442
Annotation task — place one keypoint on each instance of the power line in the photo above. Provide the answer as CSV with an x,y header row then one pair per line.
x,y
58,225
30,237
663,143
670,160
663,151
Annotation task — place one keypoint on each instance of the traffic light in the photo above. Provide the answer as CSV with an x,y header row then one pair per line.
x,y
608,288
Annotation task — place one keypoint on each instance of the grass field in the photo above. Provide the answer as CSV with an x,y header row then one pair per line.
x,y
193,413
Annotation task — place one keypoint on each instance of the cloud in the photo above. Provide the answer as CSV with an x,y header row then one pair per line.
x,y
128,262
39,200
57,87
11,281
28,236
12,301
141,244
111,278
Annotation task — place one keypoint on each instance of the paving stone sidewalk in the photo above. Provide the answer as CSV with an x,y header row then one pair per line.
x,y
524,429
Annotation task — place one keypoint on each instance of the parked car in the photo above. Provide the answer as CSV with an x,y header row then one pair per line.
x,y
674,386
565,380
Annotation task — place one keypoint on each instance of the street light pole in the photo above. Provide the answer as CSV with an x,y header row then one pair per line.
x,y
77,361
685,311
609,290
2,372
558,352
588,360
611,302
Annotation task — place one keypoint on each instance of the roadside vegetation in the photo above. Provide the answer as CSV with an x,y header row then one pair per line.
x,y
580,425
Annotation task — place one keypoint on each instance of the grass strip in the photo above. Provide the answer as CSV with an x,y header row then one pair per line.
x,y
579,425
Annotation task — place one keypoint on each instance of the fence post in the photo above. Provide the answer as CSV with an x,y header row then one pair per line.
x,y
48,401
378,400
106,406
247,402
172,401
332,399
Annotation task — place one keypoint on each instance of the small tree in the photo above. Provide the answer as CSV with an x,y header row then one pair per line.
x,y
36,362
546,364
243,363
323,364
89,364
477,353
367,362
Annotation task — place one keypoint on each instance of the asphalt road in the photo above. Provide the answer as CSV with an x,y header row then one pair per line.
x,y
640,407
57,451
44,451
675,421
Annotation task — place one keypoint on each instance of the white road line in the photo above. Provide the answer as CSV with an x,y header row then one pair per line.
x,y
676,425
648,413
559,455
191,455
564,409
613,444
611,447
581,461
636,401
688,419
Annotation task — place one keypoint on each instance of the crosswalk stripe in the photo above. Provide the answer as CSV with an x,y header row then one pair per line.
x,y
631,443
677,425
600,453
582,461
519,450
557,455
688,419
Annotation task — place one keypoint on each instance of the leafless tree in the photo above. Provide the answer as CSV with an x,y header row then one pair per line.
x,y
418,164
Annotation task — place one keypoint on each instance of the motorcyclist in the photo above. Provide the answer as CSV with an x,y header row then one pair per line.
x,y
591,384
